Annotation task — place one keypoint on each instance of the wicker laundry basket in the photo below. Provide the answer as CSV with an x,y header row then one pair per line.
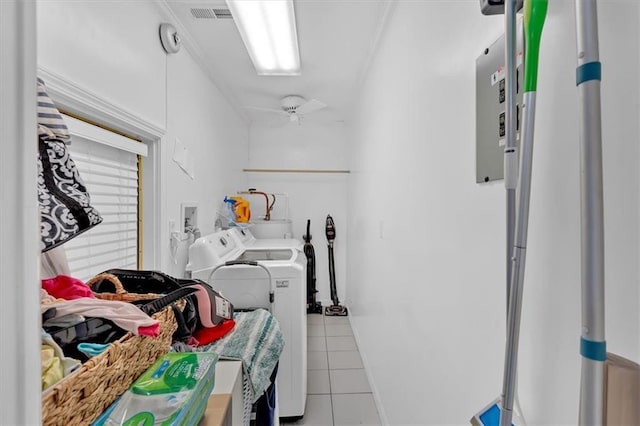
x,y
120,293
82,396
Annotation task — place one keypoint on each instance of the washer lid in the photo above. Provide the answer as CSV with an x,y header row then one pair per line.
x,y
267,254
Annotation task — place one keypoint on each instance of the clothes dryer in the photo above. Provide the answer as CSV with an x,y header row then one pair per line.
x,y
247,288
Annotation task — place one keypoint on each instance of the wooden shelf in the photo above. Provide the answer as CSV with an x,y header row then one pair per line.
x,y
330,171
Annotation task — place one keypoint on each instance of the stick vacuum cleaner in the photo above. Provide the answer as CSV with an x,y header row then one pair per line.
x,y
336,309
313,307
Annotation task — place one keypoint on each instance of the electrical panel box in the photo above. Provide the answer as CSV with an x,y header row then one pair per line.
x,y
490,108
496,7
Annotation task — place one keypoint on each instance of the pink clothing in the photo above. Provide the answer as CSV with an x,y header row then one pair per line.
x,y
124,315
151,331
67,288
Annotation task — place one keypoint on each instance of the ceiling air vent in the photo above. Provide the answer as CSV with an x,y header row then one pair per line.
x,y
222,13
215,13
203,13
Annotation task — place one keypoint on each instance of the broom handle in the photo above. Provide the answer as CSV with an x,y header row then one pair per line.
x,y
534,16
592,343
510,152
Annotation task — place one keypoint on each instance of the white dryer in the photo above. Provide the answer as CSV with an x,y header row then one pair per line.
x,y
248,287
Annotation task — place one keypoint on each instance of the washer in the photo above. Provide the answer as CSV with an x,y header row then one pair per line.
x,y
247,287
245,238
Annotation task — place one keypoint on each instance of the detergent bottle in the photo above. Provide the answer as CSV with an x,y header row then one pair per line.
x,y
242,210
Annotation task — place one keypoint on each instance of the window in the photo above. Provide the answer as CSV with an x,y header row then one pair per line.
x,y
109,165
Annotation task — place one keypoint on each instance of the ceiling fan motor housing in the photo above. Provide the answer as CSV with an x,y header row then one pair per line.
x,y
291,103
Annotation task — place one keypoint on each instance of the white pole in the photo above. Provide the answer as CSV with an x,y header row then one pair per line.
x,y
19,227
510,172
592,342
519,259
510,150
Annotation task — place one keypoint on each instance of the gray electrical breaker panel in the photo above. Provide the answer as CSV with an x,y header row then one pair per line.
x,y
496,7
490,108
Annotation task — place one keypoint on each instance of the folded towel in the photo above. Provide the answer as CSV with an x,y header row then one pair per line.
x,y
256,340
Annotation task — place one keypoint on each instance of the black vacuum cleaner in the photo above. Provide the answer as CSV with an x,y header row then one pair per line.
x,y
336,309
313,307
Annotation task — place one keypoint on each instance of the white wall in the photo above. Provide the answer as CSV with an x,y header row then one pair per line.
x,y
112,51
426,257
216,139
312,196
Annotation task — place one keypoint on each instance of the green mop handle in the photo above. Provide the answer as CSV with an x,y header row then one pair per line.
x,y
535,12
534,15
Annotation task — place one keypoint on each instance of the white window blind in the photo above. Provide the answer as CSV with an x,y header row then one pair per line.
x,y
108,165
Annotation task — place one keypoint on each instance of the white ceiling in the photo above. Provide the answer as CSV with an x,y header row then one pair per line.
x,y
336,40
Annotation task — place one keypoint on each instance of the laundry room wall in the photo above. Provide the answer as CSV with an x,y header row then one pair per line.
x,y
310,146
217,141
426,257
112,50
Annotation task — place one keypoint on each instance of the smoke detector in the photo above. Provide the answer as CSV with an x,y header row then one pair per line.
x,y
169,38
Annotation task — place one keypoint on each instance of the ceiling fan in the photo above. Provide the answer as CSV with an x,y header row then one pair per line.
x,y
294,107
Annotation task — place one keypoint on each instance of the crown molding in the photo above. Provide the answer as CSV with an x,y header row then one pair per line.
x,y
73,98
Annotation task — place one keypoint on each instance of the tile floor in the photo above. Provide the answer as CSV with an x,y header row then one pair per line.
x,y
338,392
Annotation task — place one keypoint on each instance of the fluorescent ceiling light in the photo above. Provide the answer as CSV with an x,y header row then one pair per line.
x,y
268,29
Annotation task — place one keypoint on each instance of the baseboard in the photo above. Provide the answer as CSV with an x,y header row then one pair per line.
x,y
367,368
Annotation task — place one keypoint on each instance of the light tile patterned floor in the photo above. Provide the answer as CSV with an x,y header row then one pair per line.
x,y
338,393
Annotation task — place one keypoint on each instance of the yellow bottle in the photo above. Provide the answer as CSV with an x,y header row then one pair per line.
x,y
241,209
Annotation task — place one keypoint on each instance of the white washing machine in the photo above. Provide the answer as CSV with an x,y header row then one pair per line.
x,y
248,287
247,239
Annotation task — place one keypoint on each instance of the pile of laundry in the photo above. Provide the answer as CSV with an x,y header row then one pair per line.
x,y
79,322
77,326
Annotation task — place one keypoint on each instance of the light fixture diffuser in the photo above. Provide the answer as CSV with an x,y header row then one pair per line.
x,y
268,29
